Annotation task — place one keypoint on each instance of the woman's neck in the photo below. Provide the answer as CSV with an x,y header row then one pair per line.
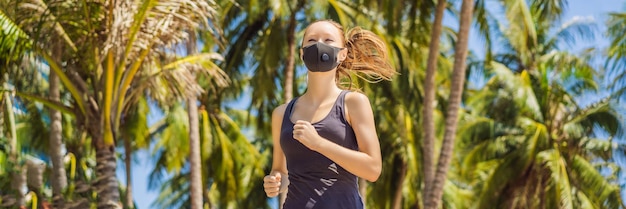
x,y
321,86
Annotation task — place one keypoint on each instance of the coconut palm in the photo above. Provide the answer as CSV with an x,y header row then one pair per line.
x,y
99,69
454,102
536,148
195,168
429,98
59,181
527,125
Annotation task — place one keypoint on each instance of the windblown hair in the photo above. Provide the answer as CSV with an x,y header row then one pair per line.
x,y
367,58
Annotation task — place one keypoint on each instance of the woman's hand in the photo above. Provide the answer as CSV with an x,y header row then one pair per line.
x,y
272,184
304,132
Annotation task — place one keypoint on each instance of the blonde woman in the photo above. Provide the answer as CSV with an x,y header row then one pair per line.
x,y
325,139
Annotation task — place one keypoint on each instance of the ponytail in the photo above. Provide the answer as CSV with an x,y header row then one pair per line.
x,y
367,57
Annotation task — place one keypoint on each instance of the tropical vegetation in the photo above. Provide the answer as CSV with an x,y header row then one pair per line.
x,y
529,120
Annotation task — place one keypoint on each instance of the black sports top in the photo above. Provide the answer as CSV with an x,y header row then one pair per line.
x,y
316,182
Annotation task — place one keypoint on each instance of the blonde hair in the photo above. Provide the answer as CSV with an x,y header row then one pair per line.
x,y
367,55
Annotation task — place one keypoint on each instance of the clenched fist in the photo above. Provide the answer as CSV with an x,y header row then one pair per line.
x,y
304,132
272,184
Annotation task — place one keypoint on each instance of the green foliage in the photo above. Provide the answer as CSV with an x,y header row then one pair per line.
x,y
524,139
14,42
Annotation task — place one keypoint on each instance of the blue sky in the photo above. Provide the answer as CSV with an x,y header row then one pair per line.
x,y
598,9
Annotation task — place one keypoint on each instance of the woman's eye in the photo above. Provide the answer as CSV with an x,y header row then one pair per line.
x,y
329,40
311,40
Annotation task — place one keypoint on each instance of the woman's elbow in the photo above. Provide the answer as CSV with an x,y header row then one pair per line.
x,y
374,174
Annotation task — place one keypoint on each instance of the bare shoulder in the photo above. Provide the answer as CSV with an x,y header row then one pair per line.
x,y
279,111
357,100
357,107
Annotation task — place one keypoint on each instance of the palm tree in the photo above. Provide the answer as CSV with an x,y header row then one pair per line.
x,y
291,50
429,98
526,124
195,168
59,177
549,144
100,59
454,101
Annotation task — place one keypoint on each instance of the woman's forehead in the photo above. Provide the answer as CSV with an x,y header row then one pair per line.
x,y
322,28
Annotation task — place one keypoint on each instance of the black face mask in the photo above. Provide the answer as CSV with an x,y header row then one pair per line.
x,y
320,57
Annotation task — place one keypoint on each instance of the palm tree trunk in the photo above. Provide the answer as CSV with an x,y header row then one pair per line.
x,y
59,179
18,182
106,184
128,153
194,154
428,150
8,109
195,170
291,56
18,178
458,81
397,198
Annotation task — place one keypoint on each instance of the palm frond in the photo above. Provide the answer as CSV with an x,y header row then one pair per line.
x,y
575,72
496,181
456,197
39,8
521,26
14,42
548,10
603,115
134,125
593,184
487,25
176,78
174,140
52,104
174,193
616,63
558,175
578,28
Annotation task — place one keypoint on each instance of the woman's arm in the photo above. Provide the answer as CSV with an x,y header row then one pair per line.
x,y
365,163
277,181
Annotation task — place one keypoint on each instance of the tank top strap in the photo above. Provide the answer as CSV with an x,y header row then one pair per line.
x,y
289,111
340,110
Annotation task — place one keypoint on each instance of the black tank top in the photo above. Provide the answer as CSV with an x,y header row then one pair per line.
x,y
317,182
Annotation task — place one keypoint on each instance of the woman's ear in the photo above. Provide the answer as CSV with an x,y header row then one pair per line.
x,y
343,54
